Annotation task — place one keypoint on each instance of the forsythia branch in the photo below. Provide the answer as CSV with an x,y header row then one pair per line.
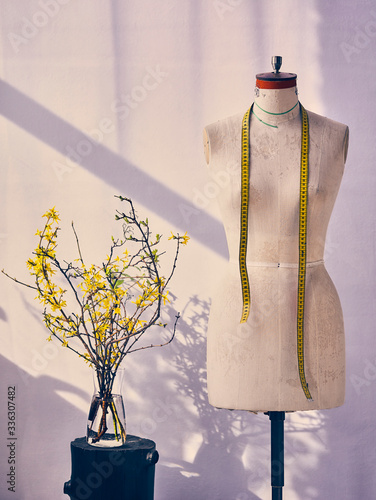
x,y
107,308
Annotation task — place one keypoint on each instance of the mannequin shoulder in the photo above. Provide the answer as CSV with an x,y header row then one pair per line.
x,y
215,134
335,133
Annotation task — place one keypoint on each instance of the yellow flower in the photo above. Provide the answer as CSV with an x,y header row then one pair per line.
x,y
185,239
52,214
139,301
140,323
164,297
30,264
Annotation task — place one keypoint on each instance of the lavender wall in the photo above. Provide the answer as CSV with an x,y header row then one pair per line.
x,y
143,79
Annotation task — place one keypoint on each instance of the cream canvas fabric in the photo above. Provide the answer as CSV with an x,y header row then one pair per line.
x,y
253,366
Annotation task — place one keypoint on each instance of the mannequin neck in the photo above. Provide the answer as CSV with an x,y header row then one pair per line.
x,y
275,106
277,100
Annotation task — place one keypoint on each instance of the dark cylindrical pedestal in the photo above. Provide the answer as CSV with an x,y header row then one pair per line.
x,y
122,473
277,453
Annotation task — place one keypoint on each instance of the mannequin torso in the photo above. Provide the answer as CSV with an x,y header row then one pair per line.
x,y
253,366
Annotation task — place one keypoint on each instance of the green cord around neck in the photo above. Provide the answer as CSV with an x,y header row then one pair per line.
x,y
262,121
276,114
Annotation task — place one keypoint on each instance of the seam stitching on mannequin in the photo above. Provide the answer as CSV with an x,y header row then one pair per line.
x,y
317,350
320,156
318,167
278,274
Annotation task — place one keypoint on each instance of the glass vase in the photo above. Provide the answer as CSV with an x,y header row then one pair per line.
x,y
106,419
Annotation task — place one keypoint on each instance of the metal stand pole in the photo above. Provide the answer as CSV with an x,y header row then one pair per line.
x,y
277,453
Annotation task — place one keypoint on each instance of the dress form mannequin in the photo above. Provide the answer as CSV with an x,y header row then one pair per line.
x,y
253,366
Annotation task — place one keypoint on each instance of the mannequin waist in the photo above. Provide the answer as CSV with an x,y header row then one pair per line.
x,y
292,265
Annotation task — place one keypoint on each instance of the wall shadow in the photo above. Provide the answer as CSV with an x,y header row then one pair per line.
x,y
217,471
343,466
126,178
45,425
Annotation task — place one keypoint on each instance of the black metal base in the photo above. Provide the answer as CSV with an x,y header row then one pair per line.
x,y
122,473
277,419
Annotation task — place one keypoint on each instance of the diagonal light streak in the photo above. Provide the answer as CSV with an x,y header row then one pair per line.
x,y
113,169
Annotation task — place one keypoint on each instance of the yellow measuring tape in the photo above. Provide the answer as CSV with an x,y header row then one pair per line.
x,y
302,235
244,217
303,248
